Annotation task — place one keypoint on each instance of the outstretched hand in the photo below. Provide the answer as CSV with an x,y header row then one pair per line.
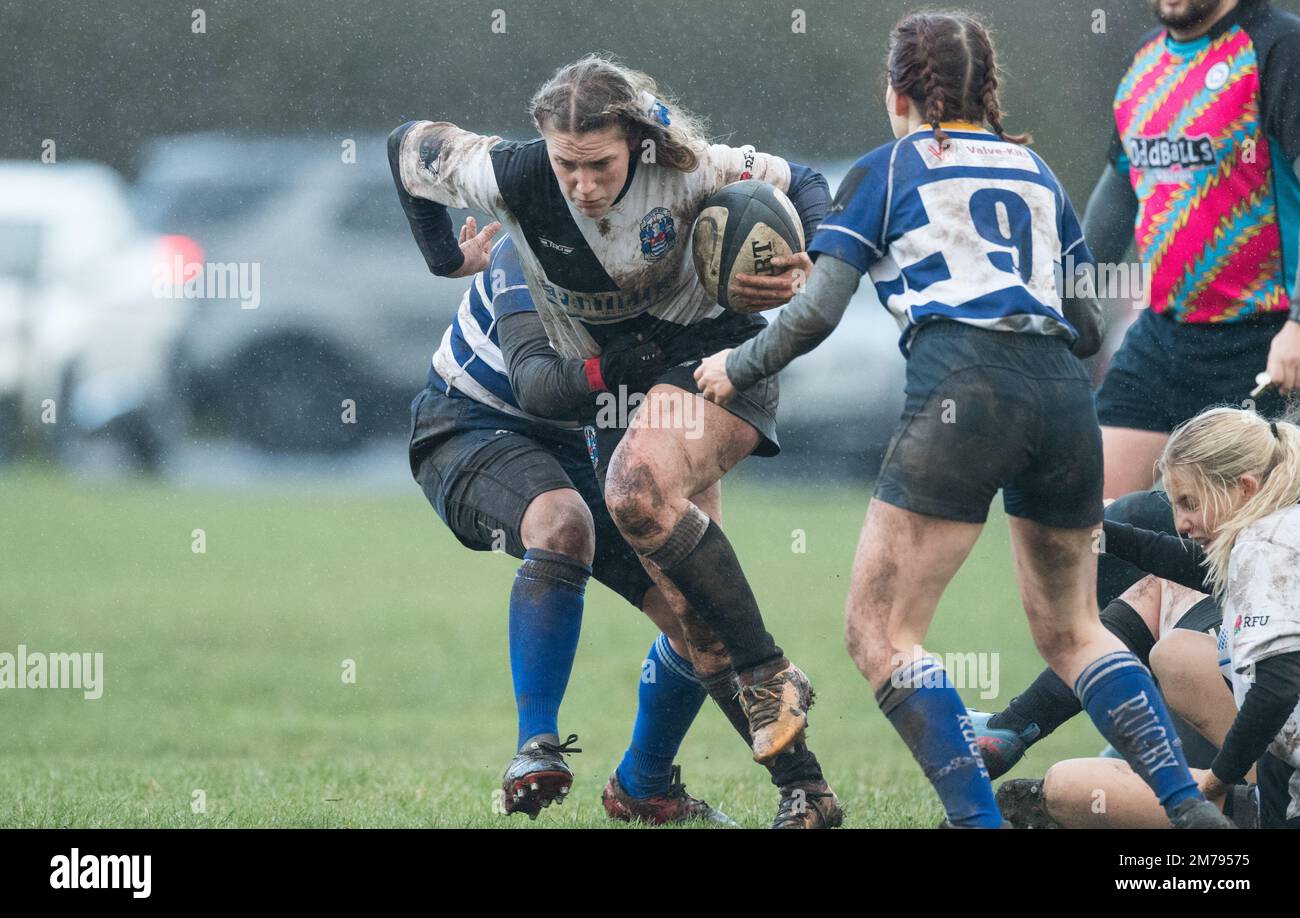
x,y
475,246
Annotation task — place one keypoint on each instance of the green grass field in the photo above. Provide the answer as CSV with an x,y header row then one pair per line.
x,y
223,670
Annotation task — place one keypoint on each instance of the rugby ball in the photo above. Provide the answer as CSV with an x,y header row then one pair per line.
x,y
739,230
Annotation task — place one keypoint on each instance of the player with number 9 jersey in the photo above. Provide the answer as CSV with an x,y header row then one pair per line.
x,y
974,230
963,232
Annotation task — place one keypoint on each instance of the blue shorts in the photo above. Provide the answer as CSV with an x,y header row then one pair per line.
x,y
1167,372
989,410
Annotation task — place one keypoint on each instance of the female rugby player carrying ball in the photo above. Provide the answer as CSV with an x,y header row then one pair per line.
x,y
600,208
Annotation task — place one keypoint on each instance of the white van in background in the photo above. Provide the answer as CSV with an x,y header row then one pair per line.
x,y
86,348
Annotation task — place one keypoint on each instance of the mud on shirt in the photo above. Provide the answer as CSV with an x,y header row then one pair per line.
x,y
1261,612
590,279
976,231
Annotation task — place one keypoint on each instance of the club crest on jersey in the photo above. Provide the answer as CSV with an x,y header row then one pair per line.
x,y
657,233
1217,76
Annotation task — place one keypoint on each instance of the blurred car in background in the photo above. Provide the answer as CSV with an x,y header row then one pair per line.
x,y
348,309
86,349
841,402
345,308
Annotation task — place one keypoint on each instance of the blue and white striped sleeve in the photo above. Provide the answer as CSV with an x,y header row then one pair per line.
x,y
508,286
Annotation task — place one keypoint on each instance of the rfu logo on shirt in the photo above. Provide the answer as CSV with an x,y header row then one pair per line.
x,y
657,233
1249,621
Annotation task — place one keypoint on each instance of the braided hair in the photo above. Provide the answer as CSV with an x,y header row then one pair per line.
x,y
945,64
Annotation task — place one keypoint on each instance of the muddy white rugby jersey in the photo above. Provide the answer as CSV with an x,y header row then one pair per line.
x,y
589,278
1261,615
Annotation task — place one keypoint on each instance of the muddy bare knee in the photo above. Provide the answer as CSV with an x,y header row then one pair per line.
x,y
560,522
637,504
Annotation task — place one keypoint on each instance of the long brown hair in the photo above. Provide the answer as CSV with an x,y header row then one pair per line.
x,y
944,62
597,92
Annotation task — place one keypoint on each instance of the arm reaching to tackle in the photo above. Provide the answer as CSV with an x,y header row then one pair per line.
x,y
805,323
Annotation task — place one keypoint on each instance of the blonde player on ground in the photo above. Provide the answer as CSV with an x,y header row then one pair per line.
x,y
1234,479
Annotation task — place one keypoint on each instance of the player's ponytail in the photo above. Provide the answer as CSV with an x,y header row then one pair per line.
x,y
1209,455
931,83
982,44
944,63
597,92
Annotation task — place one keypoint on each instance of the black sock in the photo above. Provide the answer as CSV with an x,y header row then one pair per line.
x,y
796,766
1048,702
701,563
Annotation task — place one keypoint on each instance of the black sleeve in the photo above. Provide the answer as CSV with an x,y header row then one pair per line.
x,y
1269,702
1277,38
1159,553
545,384
1110,216
811,196
1084,313
430,222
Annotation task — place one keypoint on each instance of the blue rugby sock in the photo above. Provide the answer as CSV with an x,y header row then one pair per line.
x,y
1120,696
545,618
669,698
925,709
